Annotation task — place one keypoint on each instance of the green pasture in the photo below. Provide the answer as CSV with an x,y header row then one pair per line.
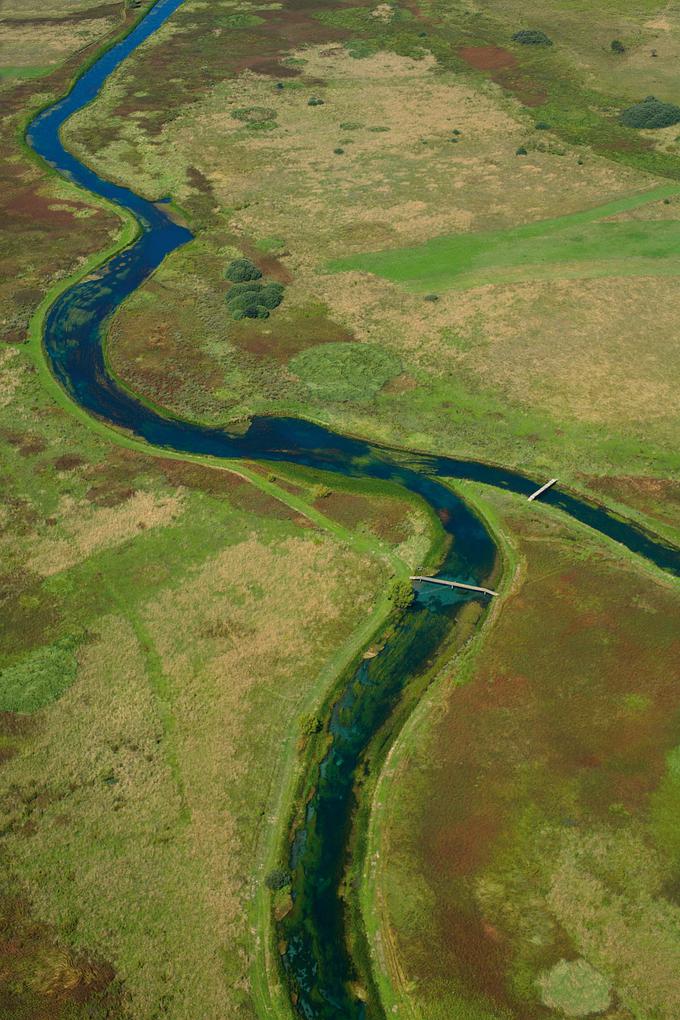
x,y
581,244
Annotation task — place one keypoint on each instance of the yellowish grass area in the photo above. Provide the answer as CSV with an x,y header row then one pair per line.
x,y
10,374
597,351
402,183
155,876
85,530
28,45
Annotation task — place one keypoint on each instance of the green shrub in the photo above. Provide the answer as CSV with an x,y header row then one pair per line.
x,y
237,289
252,299
531,37
242,269
651,113
271,295
431,297
250,311
400,593
277,879
617,46
310,724
521,151
542,125
315,102
338,151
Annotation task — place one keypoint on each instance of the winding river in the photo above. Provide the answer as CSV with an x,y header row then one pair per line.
x,y
317,964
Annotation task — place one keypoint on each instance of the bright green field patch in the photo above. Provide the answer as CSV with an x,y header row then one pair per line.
x,y
534,250
40,677
345,371
24,72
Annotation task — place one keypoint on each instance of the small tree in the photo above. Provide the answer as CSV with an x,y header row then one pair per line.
x,y
400,593
271,295
277,879
617,46
651,113
531,37
240,270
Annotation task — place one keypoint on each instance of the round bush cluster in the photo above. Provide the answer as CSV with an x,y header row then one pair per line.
x,y
532,37
315,102
253,300
651,113
242,269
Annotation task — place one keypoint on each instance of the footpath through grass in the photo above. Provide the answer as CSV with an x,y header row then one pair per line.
x,y
534,250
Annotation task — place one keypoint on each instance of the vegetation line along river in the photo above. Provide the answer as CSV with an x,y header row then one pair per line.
x,y
318,967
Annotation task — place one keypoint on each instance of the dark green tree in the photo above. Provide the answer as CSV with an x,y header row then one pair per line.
x,y
242,269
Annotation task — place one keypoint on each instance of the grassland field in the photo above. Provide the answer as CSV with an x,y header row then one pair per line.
x,y
168,628
150,623
523,291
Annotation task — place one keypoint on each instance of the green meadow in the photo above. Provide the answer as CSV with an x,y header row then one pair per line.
x,y
588,240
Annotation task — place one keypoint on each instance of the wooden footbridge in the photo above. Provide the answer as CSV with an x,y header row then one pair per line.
x,y
475,587
544,488
454,584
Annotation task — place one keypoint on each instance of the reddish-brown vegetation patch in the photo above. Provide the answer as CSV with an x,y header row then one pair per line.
x,y
163,361
287,335
26,443
570,714
68,462
241,493
45,981
487,58
387,518
505,72
658,497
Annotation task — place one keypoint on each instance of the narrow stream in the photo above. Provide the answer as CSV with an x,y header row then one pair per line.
x,y
316,961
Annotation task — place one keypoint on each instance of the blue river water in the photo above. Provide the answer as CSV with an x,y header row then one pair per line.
x,y
315,959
